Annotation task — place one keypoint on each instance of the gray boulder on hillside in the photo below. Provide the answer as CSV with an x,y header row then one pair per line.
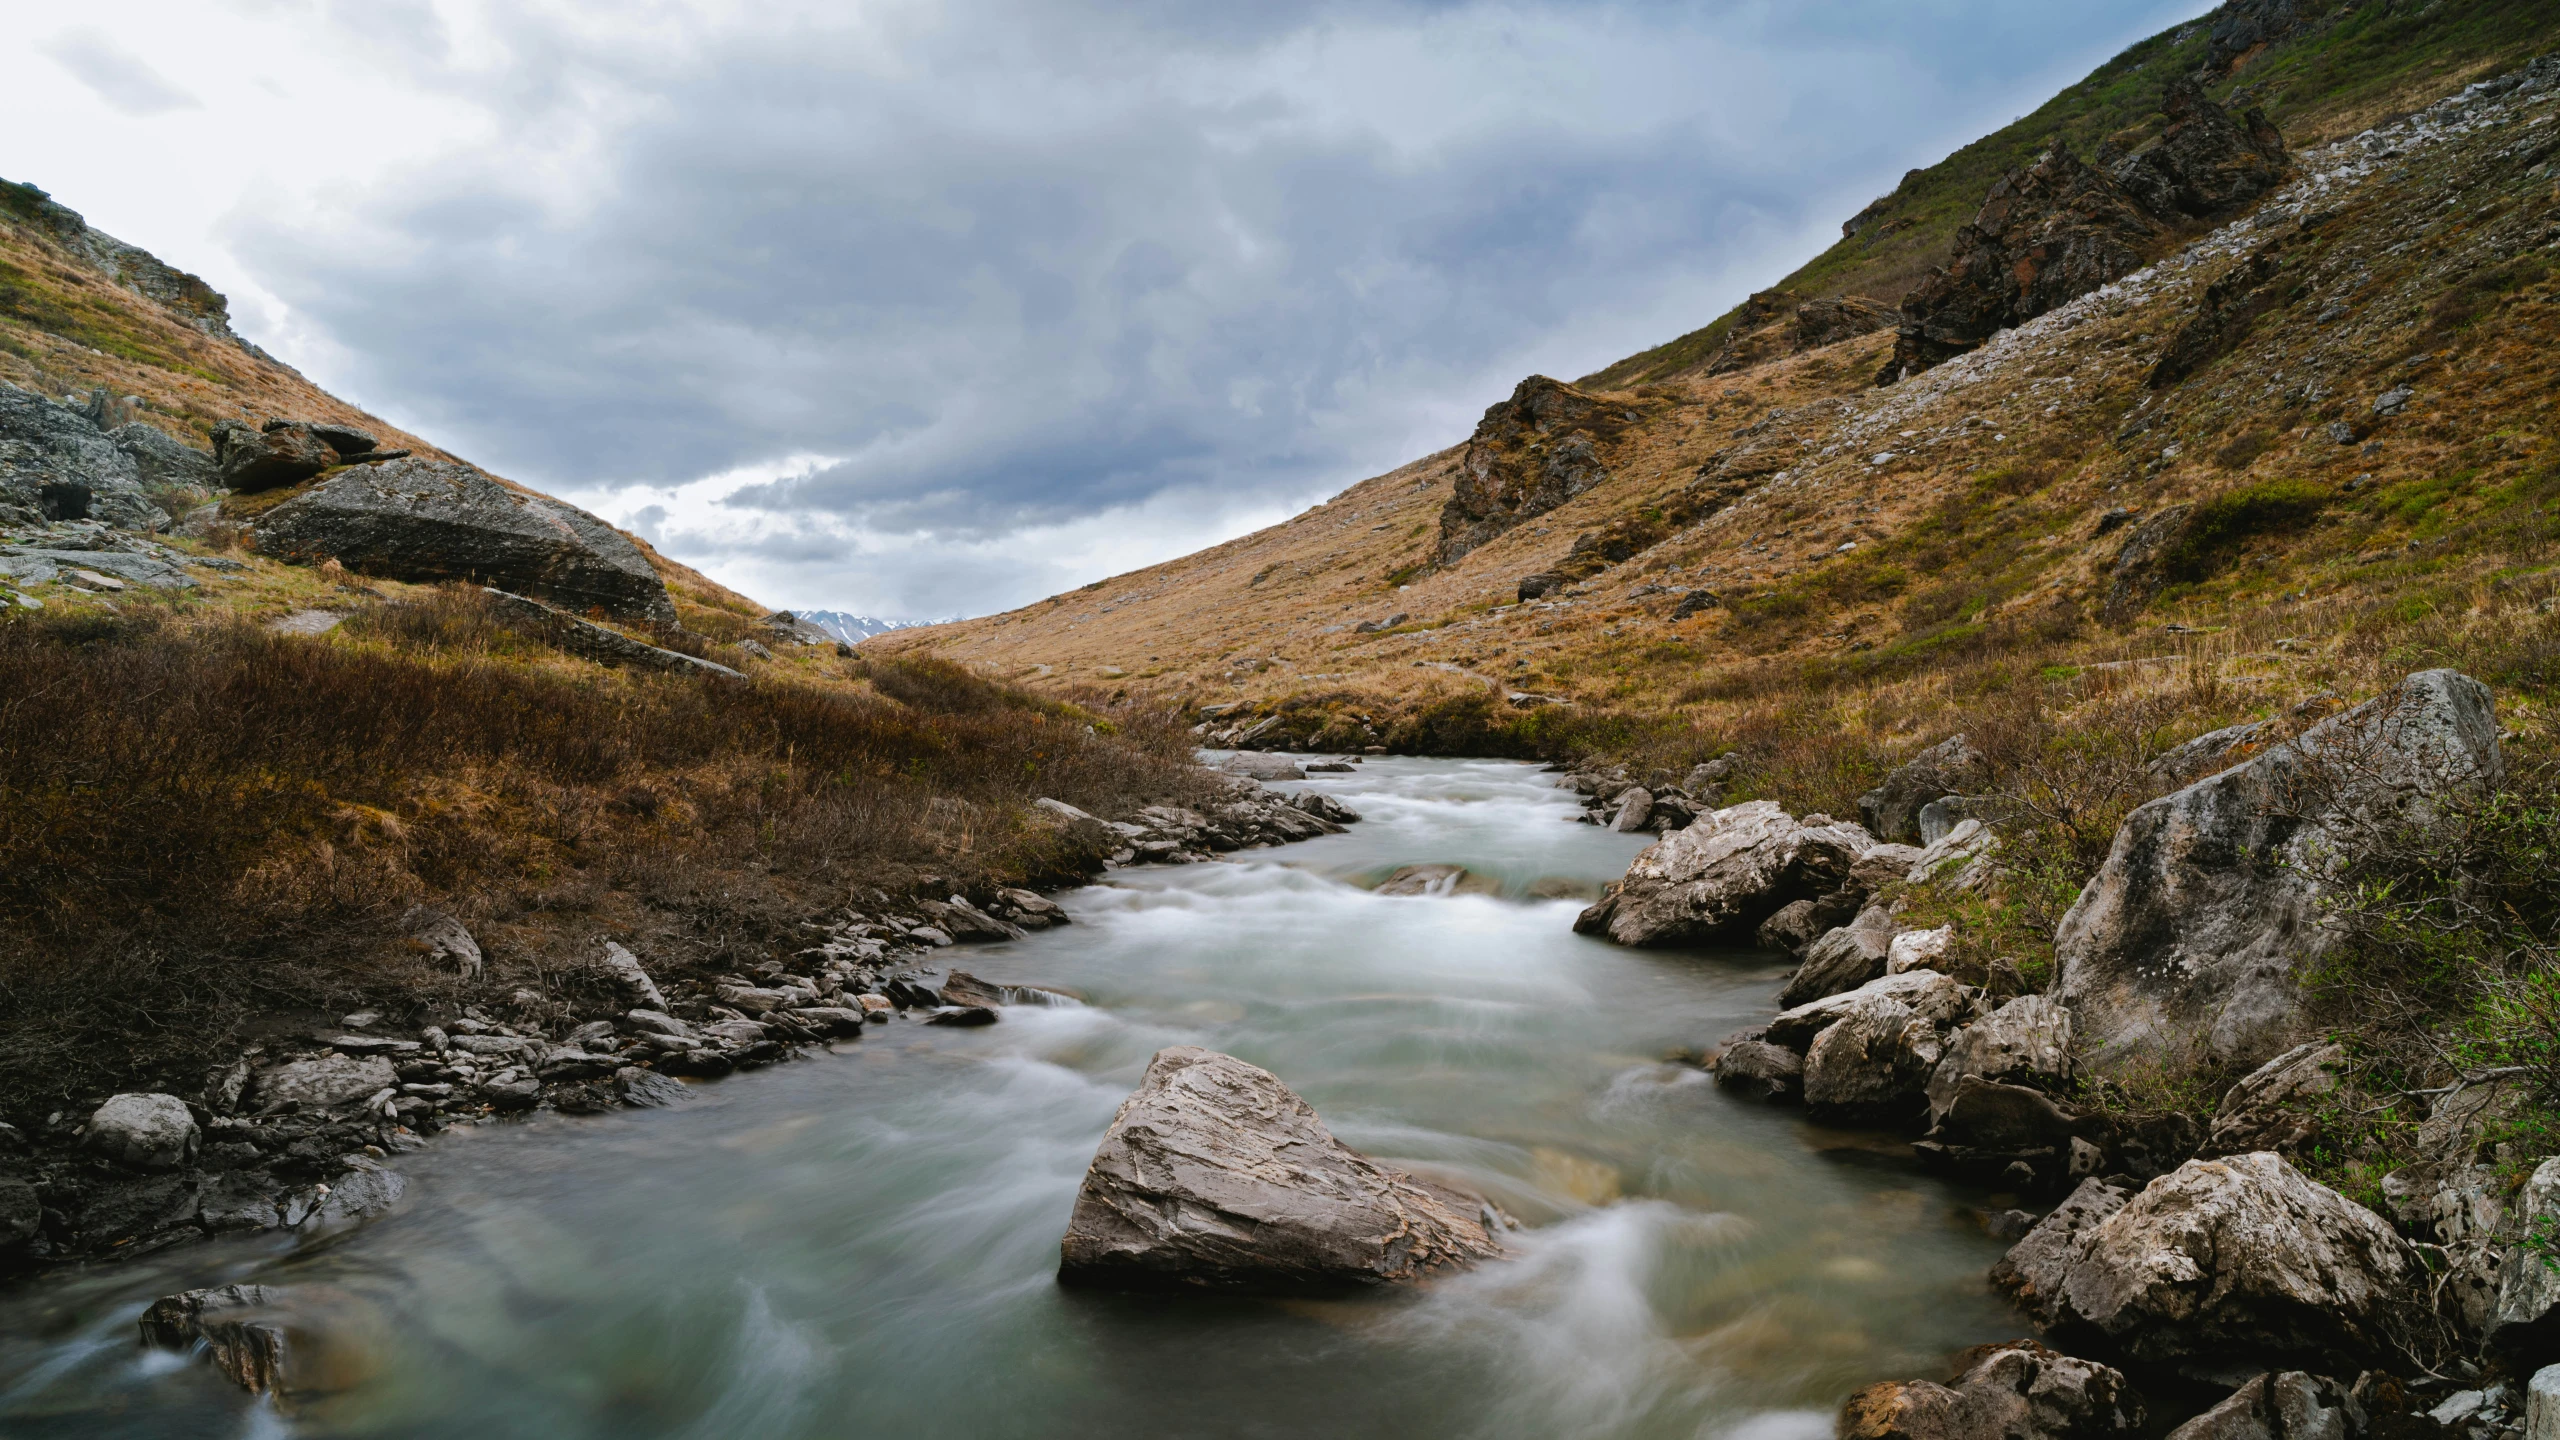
x,y
53,460
1950,767
2195,932
428,520
160,458
1215,1176
2224,1268
283,454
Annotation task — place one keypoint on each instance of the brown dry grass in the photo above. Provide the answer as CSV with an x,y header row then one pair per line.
x,y
202,822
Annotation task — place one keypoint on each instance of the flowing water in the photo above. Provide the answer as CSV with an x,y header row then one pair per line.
x,y
863,1244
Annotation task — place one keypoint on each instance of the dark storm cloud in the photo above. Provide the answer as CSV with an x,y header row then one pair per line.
x,y
1011,265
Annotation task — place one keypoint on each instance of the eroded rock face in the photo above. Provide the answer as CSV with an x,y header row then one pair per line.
x,y
2226,1267
2025,1042
2274,1106
1727,872
1215,1176
2285,1405
2194,933
1950,767
2061,228
280,455
426,520
43,445
1530,454
2018,1391
1841,959
1871,1063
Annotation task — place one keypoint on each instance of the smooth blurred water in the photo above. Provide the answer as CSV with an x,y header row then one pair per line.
x,y
863,1245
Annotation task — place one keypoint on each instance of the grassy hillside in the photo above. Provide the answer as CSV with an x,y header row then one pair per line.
x,y
2352,65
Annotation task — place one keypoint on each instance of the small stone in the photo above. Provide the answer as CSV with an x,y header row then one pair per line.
x,y
145,1132
962,1015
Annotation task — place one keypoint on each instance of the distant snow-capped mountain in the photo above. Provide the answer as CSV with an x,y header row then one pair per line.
x,y
854,629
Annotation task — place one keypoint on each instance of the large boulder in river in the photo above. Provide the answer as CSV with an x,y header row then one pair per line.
x,y
1733,868
1215,1176
2017,1391
2223,1268
1950,767
427,520
54,459
2198,927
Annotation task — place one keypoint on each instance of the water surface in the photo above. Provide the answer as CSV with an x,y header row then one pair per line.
x,y
864,1244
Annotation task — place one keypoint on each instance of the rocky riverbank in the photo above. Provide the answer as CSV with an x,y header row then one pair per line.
x,y
303,1130
2183,1253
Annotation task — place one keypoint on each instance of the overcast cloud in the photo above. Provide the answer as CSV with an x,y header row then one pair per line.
x,y
935,308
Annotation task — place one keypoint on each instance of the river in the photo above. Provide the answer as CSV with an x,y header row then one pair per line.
x,y
863,1244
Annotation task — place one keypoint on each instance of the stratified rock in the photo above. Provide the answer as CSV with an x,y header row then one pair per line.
x,y
2225,1267
347,440
1530,454
325,1083
1793,928
2275,1107
1261,765
2286,1405
240,1326
1215,1176
2208,162
632,976
162,459
427,520
588,640
1950,767
1728,871
2025,1042
2197,928
44,444
2241,28
2018,1391
278,456
2215,750
144,1131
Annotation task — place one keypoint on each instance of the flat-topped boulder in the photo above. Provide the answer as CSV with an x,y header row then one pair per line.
x,y
1215,1176
1730,869
427,520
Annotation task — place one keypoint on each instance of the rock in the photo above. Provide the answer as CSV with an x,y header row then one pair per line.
x,y
2208,162
2242,28
2216,750
1927,993
2025,1042
1960,859
2272,1108
1944,814
1828,322
345,439
1529,454
443,939
1791,929
161,459
963,988
42,443
2033,1270
144,1132
633,977
648,1089
358,1195
1842,959
325,1083
1753,1067
1872,1061
2142,563
1437,880
1322,807
2542,1404
2206,910
2288,1405
428,520
1696,602
2226,1266
522,1093
1950,767
2393,401
1919,950
1635,810
240,1327
595,642
2017,1391
1719,878
281,455
790,629
1537,587
2526,1320
1990,1131
1039,910
1262,765
1215,1176
962,1015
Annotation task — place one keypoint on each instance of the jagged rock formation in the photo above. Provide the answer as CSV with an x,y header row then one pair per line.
x,y
1732,869
1214,1175
1530,454
2197,928
2061,228
2242,28
56,464
2017,1391
427,520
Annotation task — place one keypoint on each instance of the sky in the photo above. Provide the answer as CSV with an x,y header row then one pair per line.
x,y
924,308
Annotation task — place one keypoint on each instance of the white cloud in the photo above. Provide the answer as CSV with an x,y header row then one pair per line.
x,y
126,83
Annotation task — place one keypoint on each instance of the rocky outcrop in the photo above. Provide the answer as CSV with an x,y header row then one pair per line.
x,y
284,453
2018,1391
1842,958
2242,28
2061,228
55,464
161,459
1873,1060
2227,1267
1950,767
1733,868
2276,1106
1530,454
590,641
429,520
2282,1405
1828,322
2195,931
1215,1176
